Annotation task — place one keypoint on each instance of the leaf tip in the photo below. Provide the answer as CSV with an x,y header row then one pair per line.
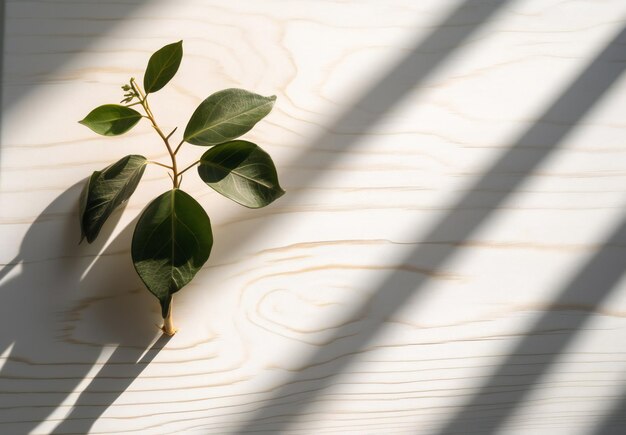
x,y
90,238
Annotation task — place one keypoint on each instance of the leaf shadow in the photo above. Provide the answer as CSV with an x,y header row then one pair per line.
x,y
66,310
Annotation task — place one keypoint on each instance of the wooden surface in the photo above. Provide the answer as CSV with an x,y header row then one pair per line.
x,y
448,257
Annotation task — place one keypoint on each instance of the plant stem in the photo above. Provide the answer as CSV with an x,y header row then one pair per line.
x,y
168,322
188,167
143,99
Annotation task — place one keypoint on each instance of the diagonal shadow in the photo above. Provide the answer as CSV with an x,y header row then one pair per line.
x,y
393,87
37,38
422,60
505,390
465,217
111,381
31,389
615,422
40,37
38,55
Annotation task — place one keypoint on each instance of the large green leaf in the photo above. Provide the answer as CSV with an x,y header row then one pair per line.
x,y
172,241
162,66
106,190
241,171
226,115
111,119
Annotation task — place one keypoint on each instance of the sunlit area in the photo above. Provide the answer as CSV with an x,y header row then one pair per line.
x,y
447,257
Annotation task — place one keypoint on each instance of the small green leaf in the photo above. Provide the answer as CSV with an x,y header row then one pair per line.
x,y
171,242
106,190
111,119
241,171
162,66
225,116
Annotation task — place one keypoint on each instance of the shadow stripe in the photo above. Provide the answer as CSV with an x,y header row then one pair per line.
x,y
458,225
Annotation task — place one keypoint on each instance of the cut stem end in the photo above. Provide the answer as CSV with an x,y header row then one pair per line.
x,y
168,324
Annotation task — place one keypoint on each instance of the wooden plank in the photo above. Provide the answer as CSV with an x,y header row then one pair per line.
x,y
448,257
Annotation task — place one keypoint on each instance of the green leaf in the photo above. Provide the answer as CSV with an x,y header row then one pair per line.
x,y
111,119
84,195
106,190
226,115
241,171
162,66
171,242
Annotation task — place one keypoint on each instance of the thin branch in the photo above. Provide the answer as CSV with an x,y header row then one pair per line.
x,y
189,167
144,103
170,135
179,145
138,91
160,164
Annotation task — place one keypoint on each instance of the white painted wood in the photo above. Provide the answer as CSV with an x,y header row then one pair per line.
x,y
448,257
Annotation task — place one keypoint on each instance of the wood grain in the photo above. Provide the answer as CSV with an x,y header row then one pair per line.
x,y
448,257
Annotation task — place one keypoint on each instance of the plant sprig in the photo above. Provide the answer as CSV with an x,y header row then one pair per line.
x,y
173,237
